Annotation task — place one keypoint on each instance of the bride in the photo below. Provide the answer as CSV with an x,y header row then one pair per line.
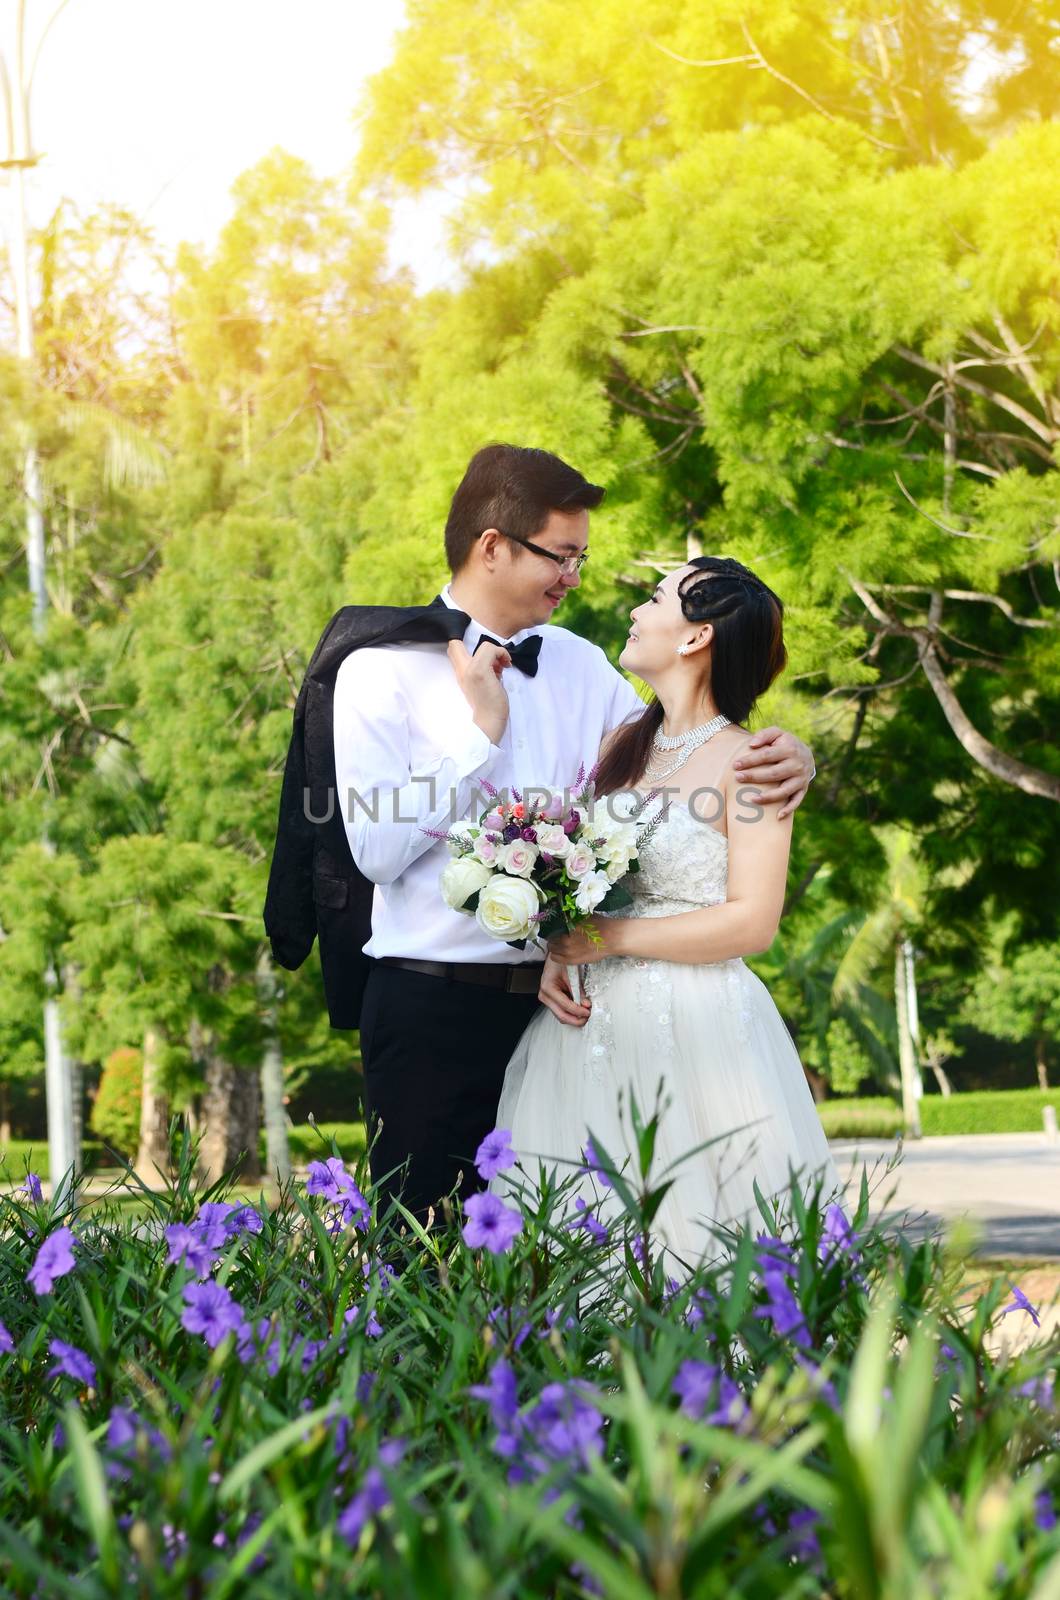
x,y
667,993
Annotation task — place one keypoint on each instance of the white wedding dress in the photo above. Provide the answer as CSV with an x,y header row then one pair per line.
x,y
714,1036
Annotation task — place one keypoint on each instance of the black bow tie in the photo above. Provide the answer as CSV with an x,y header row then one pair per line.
x,y
524,655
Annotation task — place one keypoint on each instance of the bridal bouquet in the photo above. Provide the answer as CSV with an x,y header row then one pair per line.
x,y
528,870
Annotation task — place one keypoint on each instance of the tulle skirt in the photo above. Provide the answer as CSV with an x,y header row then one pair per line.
x,y
736,1107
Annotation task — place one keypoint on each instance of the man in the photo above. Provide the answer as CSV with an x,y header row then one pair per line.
x,y
418,730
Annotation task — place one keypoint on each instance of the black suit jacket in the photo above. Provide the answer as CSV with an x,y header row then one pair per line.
x,y
315,889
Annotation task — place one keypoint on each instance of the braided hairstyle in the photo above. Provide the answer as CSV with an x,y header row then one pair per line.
x,y
747,653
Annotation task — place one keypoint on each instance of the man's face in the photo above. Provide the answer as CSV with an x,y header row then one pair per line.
x,y
533,585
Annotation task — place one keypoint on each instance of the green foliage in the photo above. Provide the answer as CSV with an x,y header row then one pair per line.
x,y
116,1108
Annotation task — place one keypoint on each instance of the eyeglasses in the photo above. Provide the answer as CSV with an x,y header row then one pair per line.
x,y
565,563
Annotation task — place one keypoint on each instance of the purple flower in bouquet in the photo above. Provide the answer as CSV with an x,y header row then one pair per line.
x,y
494,1154
529,834
589,1221
54,1259
1021,1303
571,824
210,1310
373,1495
71,1362
7,1344
700,1384
490,1223
32,1189
493,822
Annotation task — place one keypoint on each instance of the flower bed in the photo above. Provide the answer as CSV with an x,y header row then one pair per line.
x,y
210,1399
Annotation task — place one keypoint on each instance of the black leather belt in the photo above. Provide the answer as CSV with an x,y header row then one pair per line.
x,y
522,979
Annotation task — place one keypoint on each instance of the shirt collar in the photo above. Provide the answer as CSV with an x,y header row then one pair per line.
x,y
474,631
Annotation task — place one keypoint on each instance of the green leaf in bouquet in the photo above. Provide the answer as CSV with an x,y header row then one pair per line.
x,y
615,898
471,903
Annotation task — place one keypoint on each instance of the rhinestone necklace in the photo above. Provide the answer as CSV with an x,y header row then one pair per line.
x,y
684,743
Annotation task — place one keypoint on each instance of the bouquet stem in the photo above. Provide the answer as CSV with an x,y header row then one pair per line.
x,y
574,978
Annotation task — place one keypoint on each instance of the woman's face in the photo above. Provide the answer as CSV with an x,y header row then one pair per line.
x,y
658,627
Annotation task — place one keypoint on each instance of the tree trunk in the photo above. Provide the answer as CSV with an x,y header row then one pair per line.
x,y
278,1154
231,1115
1040,1062
153,1151
906,1045
5,1112
941,1078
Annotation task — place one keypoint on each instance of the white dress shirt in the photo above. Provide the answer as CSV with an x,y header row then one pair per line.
x,y
406,743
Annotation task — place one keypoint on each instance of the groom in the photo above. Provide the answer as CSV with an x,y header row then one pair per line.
x,y
418,728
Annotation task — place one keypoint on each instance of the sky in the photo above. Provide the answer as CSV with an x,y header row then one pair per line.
x,y
159,105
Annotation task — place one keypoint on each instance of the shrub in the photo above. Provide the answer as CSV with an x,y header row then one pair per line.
x,y
207,1399
116,1108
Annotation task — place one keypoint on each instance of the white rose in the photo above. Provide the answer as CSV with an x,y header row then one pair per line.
x,y
518,858
460,879
616,836
486,849
552,839
617,866
505,907
591,891
580,861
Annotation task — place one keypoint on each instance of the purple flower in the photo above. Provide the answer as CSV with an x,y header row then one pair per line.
x,y
490,1223
7,1344
494,1154
804,1543
699,1384
1021,1303
365,1385
565,1423
587,1220
552,1316
244,1220
695,1313
373,1495
252,1339
194,1244
210,1310
373,1327
592,1165
1044,1511
530,835
781,1307
331,1180
54,1259
512,1323
32,1189
500,1392
837,1236
71,1362
212,1211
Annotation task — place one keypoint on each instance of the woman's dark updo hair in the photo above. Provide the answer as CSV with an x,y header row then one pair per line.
x,y
747,653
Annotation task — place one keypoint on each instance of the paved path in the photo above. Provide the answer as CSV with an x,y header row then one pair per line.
x,y
1007,1184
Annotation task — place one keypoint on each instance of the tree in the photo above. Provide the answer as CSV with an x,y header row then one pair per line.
x,y
1017,997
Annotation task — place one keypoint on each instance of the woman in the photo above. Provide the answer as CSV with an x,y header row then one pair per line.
x,y
667,993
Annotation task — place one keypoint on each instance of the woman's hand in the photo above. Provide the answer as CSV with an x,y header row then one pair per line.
x,y
555,993
780,761
479,676
577,949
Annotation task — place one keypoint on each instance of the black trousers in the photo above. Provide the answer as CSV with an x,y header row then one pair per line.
x,y
434,1053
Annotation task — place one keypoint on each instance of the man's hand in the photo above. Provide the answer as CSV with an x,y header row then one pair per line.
x,y
479,676
781,762
555,993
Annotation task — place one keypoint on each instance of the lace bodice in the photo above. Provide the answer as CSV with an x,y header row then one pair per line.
x,y
684,864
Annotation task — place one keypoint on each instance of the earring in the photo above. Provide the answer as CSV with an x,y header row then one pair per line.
x,y
682,649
